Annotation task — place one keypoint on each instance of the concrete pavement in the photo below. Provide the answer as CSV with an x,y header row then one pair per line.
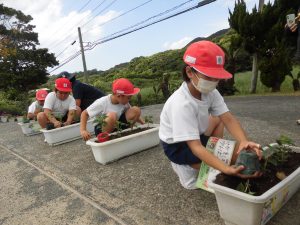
x,y
40,184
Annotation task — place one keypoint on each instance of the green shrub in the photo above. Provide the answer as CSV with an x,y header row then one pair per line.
x,y
10,107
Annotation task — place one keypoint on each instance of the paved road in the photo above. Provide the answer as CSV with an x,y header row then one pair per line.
x,y
47,185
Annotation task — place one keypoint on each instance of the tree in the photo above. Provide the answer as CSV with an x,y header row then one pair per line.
x,y
275,65
236,60
22,65
251,28
263,36
276,54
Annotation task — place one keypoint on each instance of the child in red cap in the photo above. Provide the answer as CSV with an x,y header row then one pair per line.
x,y
59,107
197,111
115,106
37,106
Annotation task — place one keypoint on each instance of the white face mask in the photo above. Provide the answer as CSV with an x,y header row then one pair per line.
x,y
205,86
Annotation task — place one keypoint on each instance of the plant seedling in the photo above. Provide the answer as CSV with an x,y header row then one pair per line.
x,y
148,120
277,154
245,187
119,127
25,119
100,121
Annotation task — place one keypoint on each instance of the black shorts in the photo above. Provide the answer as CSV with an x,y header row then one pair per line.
x,y
180,153
122,119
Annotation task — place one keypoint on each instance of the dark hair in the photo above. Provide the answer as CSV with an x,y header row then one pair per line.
x,y
184,75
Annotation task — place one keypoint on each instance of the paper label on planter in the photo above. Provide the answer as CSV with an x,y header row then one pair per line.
x,y
274,204
222,149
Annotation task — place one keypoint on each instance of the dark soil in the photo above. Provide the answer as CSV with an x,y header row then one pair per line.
x,y
267,180
50,126
126,133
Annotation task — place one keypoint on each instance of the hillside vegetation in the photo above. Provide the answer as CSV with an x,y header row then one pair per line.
x,y
153,73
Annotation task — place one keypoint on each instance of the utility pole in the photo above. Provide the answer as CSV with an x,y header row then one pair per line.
x,y
83,57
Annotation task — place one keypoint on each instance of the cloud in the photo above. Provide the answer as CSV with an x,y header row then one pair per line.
x,y
177,44
57,29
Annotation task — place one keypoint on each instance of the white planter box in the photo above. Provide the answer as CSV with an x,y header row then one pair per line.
x,y
237,208
31,128
117,148
66,134
20,119
4,119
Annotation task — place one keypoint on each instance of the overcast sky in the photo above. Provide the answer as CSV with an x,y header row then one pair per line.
x,y
57,23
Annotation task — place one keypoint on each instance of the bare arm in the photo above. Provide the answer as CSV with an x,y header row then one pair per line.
x,y
78,102
70,118
235,129
51,118
30,115
233,126
83,121
202,153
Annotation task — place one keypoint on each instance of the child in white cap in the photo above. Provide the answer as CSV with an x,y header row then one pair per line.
x,y
115,106
197,111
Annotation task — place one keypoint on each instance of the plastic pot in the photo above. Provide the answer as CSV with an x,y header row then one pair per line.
x,y
249,160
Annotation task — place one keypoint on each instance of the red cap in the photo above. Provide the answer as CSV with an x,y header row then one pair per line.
x,y
63,84
207,58
41,95
124,87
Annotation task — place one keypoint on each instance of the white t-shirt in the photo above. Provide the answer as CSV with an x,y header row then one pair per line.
x,y
34,106
57,106
184,117
104,105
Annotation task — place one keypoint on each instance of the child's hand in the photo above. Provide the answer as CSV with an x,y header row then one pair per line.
x,y
67,123
85,135
141,121
235,171
57,124
252,146
293,27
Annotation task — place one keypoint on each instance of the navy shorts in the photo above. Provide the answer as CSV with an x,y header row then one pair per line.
x,y
122,119
180,152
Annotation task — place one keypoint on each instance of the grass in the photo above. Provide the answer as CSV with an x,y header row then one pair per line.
x,y
243,81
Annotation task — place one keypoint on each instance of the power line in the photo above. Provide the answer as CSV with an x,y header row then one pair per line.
x,y
99,13
205,2
123,14
148,19
158,15
200,4
56,43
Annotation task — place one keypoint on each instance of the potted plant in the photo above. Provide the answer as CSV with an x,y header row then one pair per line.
x,y
124,142
244,202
